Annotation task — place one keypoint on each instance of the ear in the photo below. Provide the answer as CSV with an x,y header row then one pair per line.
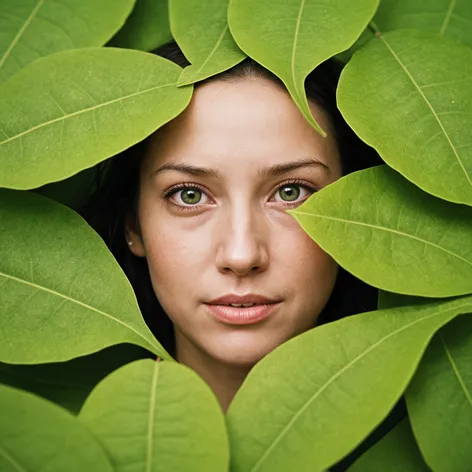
x,y
133,238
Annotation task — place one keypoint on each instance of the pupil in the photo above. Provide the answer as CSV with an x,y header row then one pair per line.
x,y
191,196
290,193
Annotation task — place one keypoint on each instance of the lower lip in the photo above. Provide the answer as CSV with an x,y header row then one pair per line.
x,y
242,316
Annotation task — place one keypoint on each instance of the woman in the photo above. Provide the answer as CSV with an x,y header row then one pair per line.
x,y
195,215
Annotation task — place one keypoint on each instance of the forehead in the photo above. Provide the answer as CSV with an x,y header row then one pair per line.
x,y
250,122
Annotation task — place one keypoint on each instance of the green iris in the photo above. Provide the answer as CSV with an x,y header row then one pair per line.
x,y
191,196
290,193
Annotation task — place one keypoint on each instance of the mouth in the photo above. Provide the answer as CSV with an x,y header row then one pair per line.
x,y
242,313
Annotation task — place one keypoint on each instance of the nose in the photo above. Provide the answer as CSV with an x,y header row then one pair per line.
x,y
243,247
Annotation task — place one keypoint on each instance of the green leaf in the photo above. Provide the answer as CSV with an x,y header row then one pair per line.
x,y
146,28
446,17
158,416
36,435
390,234
395,452
71,110
62,294
30,29
314,398
439,399
293,37
201,30
68,384
409,95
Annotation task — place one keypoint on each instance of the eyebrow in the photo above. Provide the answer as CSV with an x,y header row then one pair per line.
x,y
271,171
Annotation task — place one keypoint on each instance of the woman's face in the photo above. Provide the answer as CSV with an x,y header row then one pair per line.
x,y
214,188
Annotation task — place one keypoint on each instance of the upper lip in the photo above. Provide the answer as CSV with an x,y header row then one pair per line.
x,y
240,299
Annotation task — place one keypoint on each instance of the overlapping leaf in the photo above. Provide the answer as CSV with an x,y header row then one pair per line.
x,y
62,294
73,109
30,29
409,95
293,37
446,17
158,416
68,384
146,28
395,452
328,387
439,399
392,235
36,435
201,30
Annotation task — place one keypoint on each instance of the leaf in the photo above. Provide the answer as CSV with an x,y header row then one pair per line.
x,y
390,234
36,435
409,95
328,387
446,17
395,452
146,28
201,30
63,295
30,29
73,109
68,384
439,399
292,38
158,416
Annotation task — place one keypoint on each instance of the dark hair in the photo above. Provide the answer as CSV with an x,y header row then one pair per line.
x,y
118,183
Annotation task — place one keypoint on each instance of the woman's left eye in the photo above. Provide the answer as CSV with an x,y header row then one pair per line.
x,y
290,193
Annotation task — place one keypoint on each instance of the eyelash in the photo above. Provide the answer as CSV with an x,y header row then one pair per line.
x,y
173,190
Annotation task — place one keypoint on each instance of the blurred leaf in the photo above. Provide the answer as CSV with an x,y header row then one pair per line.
x,y
439,399
158,416
292,38
329,388
201,31
146,28
366,35
73,109
409,95
30,29
390,234
395,452
62,294
446,17
36,435
69,383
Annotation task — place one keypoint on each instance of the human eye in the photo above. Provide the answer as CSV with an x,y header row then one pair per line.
x,y
187,197
293,192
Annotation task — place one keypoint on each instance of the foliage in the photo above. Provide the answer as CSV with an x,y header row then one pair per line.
x,y
404,227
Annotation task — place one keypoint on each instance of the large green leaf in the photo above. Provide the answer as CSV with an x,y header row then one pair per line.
x,y
36,435
69,383
439,399
395,452
158,416
201,30
62,294
30,29
392,235
73,109
313,399
293,37
446,17
409,95
146,28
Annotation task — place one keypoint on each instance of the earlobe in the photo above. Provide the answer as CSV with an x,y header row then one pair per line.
x,y
135,243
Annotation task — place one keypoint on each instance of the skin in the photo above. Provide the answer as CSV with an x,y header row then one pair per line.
x,y
238,238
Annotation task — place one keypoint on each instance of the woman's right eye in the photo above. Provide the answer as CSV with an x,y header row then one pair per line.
x,y
187,196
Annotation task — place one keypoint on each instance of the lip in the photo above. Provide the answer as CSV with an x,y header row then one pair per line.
x,y
242,316
240,299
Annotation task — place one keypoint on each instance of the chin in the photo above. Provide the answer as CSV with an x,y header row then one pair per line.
x,y
242,351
